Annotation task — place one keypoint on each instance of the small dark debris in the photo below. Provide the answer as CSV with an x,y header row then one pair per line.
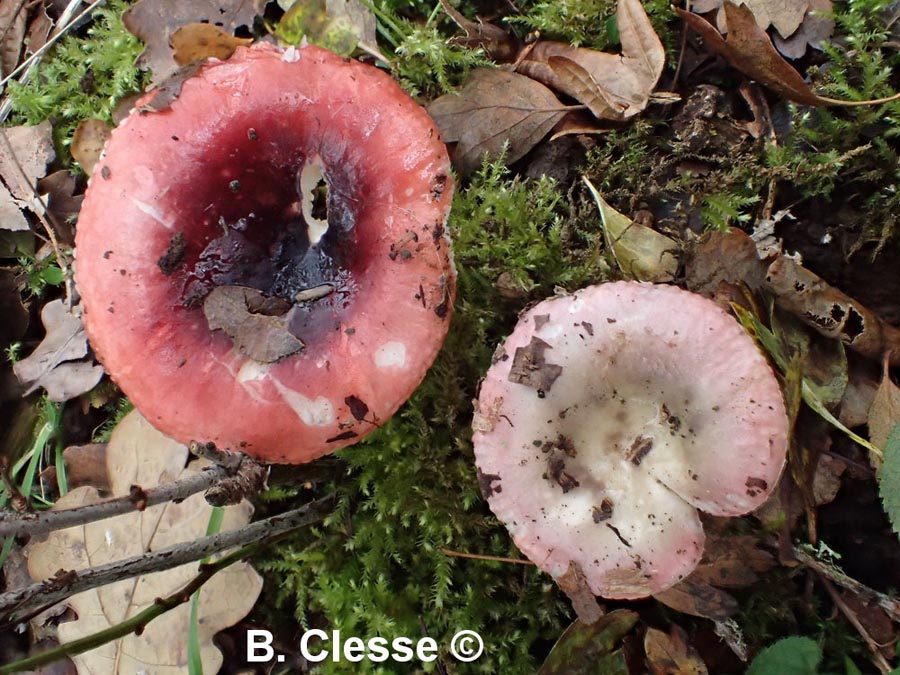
x,y
639,449
358,409
604,511
530,367
486,483
342,437
105,173
618,534
756,486
174,255
589,327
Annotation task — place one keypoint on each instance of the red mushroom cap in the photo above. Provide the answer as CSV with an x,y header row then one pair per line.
x,y
610,416
216,191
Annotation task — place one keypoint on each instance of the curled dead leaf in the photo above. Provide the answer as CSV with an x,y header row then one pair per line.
x,y
200,41
749,49
641,252
612,86
88,143
59,363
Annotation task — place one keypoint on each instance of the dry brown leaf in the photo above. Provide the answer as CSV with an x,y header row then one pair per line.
x,y
137,454
862,384
500,45
85,466
728,258
24,154
260,336
88,143
830,311
670,654
495,107
59,364
884,412
58,190
698,598
577,123
613,86
816,29
200,41
749,49
732,561
155,21
13,17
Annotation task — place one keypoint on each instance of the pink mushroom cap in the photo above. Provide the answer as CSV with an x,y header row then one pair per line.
x,y
610,417
216,190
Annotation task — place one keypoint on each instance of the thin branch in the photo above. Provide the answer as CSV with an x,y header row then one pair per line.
x,y
878,659
889,604
488,558
15,605
138,500
139,621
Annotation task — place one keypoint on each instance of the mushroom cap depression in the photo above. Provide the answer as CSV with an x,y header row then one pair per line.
x,y
610,416
263,263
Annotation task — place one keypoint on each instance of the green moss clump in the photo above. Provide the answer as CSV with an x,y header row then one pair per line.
x,y
83,76
375,567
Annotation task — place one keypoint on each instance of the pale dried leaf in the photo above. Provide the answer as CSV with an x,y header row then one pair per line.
x,y
11,216
784,15
24,154
670,654
201,41
641,252
88,143
884,413
815,31
13,16
138,454
260,336
58,364
155,21
495,110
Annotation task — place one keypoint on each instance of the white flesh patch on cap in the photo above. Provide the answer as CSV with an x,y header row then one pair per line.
x,y
391,355
167,221
612,412
315,413
312,178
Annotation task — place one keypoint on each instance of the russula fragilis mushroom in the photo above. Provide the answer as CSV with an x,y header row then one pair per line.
x,y
263,263
610,417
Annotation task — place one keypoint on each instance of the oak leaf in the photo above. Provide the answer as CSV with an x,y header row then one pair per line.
x,y
137,454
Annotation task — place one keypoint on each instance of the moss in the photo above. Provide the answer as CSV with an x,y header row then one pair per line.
x,y
375,566
86,75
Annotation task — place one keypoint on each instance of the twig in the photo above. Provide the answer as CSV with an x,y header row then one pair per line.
x,y
683,49
890,605
14,605
139,621
489,558
138,500
877,657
